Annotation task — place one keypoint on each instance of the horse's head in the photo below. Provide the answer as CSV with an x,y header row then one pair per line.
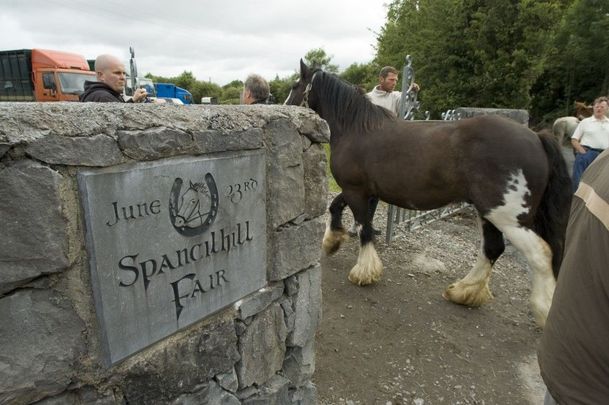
x,y
191,203
300,93
582,110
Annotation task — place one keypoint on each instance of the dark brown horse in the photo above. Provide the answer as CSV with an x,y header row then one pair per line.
x,y
516,180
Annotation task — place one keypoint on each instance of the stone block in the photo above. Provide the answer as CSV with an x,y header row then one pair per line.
x,y
305,395
209,141
33,235
228,381
307,307
98,150
299,363
179,365
4,147
155,143
289,314
87,395
296,248
274,392
285,172
258,301
41,339
211,394
312,126
262,347
315,180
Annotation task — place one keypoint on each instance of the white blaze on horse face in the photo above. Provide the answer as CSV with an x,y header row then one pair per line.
x,y
515,204
290,94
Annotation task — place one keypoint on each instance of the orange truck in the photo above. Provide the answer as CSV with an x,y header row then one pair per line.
x,y
42,75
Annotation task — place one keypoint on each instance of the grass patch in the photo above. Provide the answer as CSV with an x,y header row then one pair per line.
x,y
332,185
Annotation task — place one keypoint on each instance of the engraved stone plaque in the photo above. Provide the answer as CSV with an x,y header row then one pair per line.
x,y
171,242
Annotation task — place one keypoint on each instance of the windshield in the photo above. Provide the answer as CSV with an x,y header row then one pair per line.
x,y
74,83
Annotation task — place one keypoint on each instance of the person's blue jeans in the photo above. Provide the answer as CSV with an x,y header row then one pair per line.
x,y
582,161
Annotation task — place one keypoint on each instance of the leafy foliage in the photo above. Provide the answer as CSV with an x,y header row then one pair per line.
x,y
577,66
364,75
485,53
317,57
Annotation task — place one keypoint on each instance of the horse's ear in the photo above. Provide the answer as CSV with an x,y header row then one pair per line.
x,y
304,69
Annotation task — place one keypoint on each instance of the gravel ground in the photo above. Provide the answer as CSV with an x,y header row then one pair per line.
x,y
399,342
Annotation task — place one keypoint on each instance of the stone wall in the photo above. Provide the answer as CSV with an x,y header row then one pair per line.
x,y
258,351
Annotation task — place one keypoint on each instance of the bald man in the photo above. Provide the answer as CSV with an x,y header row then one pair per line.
x,y
108,88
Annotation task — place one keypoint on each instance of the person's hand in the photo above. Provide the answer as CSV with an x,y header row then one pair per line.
x,y
140,95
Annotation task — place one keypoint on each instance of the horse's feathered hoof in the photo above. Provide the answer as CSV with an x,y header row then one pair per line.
x,y
333,240
368,268
472,295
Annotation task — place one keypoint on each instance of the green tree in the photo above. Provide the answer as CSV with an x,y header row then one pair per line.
x,y
280,87
231,92
577,66
485,53
202,89
318,57
185,80
364,75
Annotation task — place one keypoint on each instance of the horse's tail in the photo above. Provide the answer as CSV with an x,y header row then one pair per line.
x,y
553,212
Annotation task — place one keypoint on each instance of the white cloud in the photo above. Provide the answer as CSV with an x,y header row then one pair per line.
x,y
221,40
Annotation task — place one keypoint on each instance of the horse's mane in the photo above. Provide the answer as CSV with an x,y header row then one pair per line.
x,y
347,105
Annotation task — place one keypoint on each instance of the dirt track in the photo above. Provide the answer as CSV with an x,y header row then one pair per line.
x,y
400,342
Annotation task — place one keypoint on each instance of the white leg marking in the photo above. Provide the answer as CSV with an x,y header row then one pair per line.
x,y
539,256
535,249
473,289
368,268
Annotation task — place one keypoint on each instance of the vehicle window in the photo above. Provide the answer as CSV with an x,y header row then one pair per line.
x,y
48,81
74,83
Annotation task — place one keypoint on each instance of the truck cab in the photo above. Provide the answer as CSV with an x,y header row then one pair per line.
x,y
59,76
42,75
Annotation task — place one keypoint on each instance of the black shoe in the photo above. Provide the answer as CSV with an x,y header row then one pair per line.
x,y
377,232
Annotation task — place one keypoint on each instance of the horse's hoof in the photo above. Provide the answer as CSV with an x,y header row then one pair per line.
x,y
472,295
330,248
333,240
368,268
361,278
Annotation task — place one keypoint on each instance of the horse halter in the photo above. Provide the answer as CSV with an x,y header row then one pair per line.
x,y
305,96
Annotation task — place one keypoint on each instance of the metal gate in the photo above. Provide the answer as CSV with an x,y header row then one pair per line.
x,y
409,108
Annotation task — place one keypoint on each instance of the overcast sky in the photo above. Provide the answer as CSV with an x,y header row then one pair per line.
x,y
216,40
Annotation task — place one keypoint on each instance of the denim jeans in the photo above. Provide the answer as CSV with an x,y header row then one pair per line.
x,y
582,161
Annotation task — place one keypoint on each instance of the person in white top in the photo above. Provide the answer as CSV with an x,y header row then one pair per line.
x,y
590,138
384,95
